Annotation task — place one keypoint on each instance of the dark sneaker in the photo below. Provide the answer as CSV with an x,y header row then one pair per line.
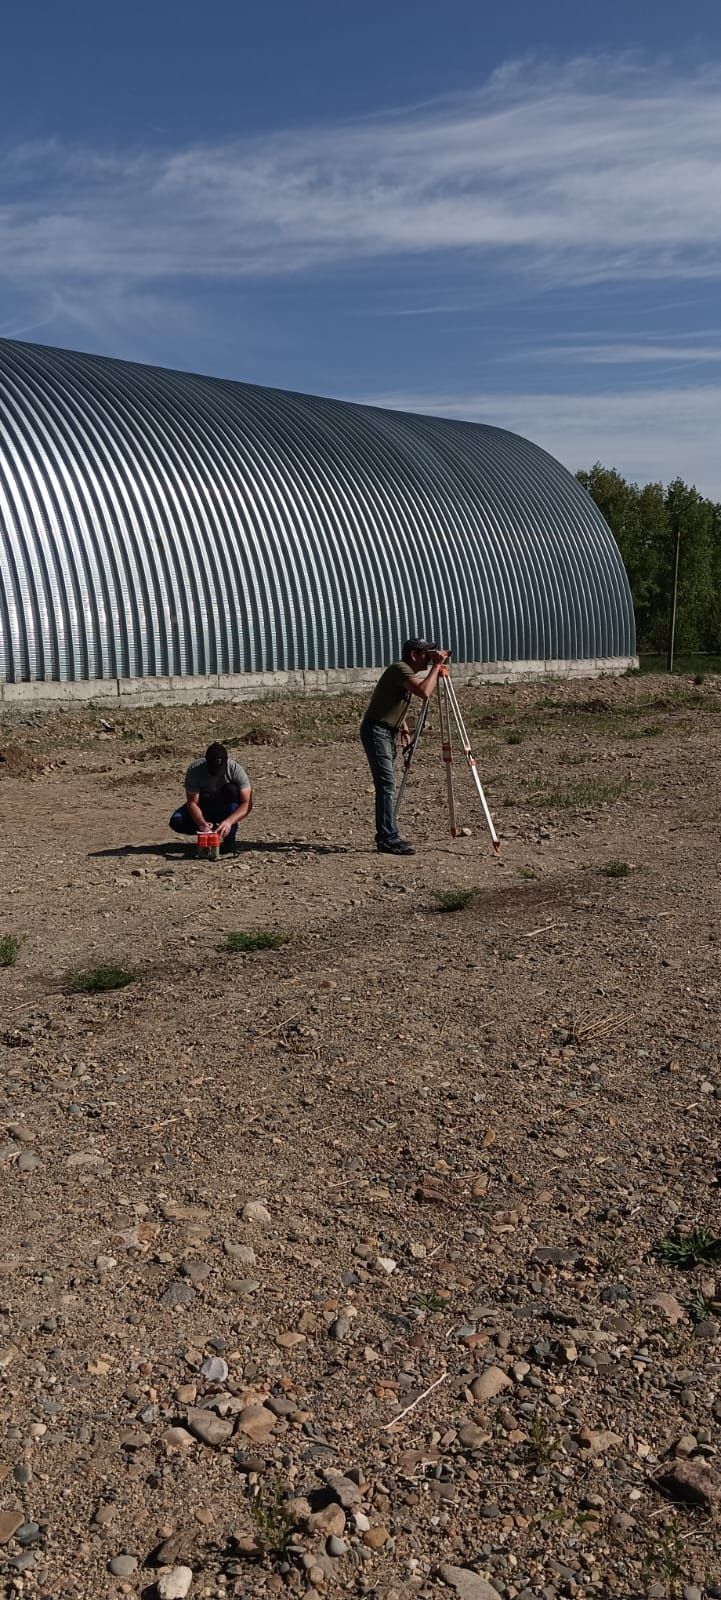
x,y
399,848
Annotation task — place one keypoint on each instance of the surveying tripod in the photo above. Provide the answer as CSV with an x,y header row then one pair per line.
x,y
449,711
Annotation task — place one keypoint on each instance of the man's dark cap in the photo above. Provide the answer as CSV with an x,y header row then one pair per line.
x,y
216,756
412,645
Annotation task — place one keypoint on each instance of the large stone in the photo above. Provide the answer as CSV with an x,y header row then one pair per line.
x,y
330,1520
255,1211
471,1436
204,1425
669,1307
468,1584
9,1522
691,1482
123,1566
256,1422
345,1491
178,1294
488,1384
175,1585
598,1440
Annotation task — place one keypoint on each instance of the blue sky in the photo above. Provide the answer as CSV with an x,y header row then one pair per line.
x,y
510,213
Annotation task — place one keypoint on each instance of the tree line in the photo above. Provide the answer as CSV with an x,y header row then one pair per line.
x,y
646,522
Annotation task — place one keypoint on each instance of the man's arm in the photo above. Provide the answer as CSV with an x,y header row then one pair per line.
x,y
192,799
423,688
241,811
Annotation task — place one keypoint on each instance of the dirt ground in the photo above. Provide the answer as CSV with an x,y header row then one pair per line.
x,y
468,1132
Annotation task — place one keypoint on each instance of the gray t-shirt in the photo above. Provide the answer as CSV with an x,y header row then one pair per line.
x,y
200,781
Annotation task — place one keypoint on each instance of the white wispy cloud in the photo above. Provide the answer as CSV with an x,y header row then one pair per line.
x,y
620,354
649,435
595,170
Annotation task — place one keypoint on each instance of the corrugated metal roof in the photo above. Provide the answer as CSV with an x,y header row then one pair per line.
x,y
156,522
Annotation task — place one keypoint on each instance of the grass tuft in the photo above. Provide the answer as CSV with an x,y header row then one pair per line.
x,y
698,1248
431,1301
581,796
273,1521
454,899
10,946
616,869
97,980
241,942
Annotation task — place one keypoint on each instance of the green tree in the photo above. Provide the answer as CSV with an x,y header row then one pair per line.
x,y
645,522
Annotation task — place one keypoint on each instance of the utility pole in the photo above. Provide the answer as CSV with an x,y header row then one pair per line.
x,y
674,601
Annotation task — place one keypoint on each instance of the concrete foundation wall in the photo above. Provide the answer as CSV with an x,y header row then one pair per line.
x,y
121,692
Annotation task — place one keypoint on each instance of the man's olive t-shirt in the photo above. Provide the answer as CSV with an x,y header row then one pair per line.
x,y
198,780
390,698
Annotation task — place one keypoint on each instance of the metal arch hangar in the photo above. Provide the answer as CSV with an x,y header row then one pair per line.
x,y
158,524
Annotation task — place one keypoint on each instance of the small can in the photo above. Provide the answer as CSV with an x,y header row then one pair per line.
x,y
204,844
213,846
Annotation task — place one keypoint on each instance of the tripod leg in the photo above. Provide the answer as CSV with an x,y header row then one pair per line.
x,y
471,761
409,754
447,751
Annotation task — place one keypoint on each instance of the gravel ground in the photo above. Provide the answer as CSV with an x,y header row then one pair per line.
x,y
331,1267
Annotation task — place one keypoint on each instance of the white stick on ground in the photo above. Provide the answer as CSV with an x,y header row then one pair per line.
x,y
388,1426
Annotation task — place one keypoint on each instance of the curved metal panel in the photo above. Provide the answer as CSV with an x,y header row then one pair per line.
x,y
158,523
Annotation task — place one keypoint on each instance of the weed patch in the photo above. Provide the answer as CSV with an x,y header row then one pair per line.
x,y
273,1521
587,796
687,1250
242,942
616,869
454,899
10,946
97,980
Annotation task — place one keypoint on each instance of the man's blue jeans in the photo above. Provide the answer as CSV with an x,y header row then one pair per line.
x,y
379,743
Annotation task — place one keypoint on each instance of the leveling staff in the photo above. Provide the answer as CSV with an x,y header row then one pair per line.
x,y
385,719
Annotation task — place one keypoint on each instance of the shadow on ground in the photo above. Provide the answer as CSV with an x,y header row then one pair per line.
x,y
170,851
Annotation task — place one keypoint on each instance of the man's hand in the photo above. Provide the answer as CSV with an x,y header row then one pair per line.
x,y
439,657
223,828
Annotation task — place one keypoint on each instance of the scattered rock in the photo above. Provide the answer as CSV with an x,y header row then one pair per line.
x,y
215,1369
471,1436
256,1422
600,1441
668,1305
375,1538
204,1425
123,1566
691,1482
175,1584
468,1584
178,1294
9,1522
345,1491
244,1253
488,1384
330,1520
255,1211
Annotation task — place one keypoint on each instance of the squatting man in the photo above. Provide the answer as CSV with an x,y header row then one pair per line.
x,y
384,719
218,796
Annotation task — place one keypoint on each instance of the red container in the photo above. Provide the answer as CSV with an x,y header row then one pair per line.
x,y
213,845
204,843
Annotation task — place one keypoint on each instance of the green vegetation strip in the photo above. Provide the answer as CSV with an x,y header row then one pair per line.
x,y
255,941
454,899
97,980
10,946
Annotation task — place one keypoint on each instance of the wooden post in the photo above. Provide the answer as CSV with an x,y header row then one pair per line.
x,y
674,601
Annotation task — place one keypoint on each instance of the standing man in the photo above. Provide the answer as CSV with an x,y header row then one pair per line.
x,y
217,796
384,719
